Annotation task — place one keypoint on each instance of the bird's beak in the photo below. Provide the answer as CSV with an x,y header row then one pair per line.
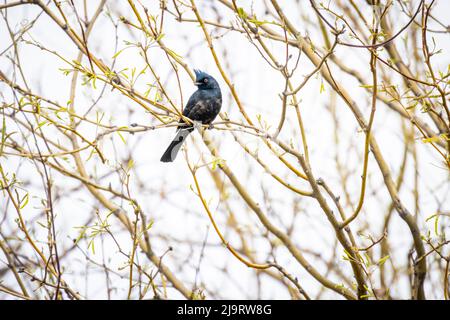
x,y
197,83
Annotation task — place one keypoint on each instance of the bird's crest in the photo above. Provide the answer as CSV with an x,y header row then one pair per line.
x,y
199,73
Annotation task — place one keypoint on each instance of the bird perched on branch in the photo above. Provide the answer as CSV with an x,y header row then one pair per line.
x,y
203,106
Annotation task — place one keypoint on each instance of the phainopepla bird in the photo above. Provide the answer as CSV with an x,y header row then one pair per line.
x,y
203,106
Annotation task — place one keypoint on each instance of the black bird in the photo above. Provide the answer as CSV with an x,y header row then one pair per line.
x,y
203,106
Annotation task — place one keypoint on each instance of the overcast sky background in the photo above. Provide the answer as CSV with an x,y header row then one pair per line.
x,y
182,216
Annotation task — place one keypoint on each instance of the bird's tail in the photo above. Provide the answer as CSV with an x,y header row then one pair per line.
x,y
171,153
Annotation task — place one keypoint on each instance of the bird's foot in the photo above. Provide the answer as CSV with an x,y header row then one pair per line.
x,y
211,126
197,125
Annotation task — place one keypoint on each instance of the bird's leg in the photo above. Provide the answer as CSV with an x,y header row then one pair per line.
x,y
211,126
197,124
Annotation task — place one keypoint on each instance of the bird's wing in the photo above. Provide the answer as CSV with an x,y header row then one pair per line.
x,y
195,97
200,110
198,106
203,106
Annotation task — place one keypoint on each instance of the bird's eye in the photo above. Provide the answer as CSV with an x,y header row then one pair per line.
x,y
205,80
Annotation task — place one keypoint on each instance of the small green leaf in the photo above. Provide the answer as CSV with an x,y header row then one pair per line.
x,y
431,139
217,162
24,201
92,246
118,52
41,124
241,13
436,224
3,136
322,87
121,137
383,260
81,234
130,164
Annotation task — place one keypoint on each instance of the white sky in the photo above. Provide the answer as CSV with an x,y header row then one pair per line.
x,y
182,217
